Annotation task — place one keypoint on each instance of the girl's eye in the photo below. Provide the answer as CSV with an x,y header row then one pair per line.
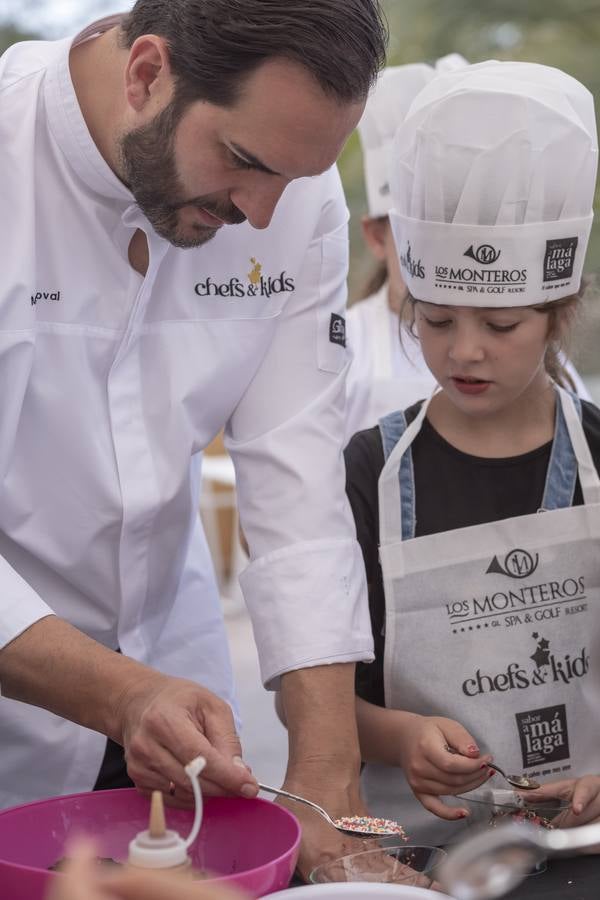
x,y
502,328
437,323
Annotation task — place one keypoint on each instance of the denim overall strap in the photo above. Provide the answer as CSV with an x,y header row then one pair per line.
x,y
392,427
561,477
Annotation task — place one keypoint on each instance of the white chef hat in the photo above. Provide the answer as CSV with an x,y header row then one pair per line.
x,y
387,106
492,183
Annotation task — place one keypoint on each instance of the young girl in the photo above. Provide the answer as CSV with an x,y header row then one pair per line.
x,y
483,503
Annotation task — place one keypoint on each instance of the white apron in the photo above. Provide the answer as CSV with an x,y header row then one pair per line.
x,y
494,625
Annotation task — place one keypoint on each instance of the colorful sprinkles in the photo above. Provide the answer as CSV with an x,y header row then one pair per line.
x,y
370,825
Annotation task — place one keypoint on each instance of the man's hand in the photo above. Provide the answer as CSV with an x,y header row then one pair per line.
x,y
163,722
431,770
166,722
324,760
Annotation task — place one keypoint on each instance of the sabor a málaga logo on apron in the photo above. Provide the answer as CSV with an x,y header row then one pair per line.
x,y
544,735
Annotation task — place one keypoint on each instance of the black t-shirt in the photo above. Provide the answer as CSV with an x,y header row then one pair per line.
x,y
452,490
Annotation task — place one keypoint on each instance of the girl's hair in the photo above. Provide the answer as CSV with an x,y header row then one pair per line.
x,y
562,316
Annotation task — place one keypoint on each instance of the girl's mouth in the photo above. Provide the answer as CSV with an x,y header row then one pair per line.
x,y
467,385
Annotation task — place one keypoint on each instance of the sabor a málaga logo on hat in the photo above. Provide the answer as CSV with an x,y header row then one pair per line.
x,y
485,254
560,258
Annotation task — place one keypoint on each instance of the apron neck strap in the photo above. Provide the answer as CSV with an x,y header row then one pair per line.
x,y
588,476
393,503
396,482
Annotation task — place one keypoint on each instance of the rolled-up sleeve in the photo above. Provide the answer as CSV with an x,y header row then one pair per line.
x,y
305,585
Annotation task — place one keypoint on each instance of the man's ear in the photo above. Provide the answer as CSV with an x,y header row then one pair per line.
x,y
374,232
148,72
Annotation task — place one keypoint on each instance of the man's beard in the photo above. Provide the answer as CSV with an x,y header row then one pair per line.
x,y
148,168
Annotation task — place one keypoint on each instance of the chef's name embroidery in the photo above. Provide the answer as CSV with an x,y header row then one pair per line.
x,y
257,284
44,295
548,668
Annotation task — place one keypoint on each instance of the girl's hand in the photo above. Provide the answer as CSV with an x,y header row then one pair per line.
x,y
582,794
432,769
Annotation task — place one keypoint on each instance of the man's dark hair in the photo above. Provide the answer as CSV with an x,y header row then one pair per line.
x,y
215,44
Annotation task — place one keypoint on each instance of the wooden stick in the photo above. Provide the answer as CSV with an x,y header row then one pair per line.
x,y
157,827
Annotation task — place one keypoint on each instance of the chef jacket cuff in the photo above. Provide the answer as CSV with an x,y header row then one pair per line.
x,y
20,606
308,605
15,620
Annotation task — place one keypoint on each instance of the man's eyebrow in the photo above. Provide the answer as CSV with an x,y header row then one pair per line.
x,y
250,158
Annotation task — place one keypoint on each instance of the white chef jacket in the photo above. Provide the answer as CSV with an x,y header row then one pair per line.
x,y
111,384
385,374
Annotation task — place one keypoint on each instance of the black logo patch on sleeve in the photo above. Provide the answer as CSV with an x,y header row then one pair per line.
x,y
559,258
337,330
544,735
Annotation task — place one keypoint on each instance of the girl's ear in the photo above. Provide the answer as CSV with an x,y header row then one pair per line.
x,y
374,232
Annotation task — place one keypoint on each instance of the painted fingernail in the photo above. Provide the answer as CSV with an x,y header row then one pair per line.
x,y
463,814
249,791
473,748
483,766
491,773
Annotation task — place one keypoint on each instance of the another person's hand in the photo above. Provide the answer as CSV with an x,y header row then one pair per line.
x,y
84,879
582,795
431,770
165,723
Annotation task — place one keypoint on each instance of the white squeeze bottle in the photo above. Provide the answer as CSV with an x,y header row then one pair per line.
x,y
159,847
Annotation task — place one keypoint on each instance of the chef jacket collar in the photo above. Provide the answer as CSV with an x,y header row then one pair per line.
x,y
69,127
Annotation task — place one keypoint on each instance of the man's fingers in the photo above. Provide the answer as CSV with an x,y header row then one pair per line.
x,y
436,806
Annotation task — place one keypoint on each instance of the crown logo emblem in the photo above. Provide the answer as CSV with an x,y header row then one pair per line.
x,y
255,275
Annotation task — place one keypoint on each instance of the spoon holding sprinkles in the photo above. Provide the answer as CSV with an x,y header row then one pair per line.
x,y
367,826
521,782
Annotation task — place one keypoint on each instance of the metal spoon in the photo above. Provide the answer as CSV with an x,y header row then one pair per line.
x,y
521,782
492,862
363,831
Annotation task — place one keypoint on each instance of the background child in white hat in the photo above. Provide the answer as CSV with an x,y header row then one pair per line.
x,y
386,373
483,504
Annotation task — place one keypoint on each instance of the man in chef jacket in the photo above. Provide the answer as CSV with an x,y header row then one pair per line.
x,y
174,260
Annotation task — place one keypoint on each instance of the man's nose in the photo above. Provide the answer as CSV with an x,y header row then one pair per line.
x,y
258,198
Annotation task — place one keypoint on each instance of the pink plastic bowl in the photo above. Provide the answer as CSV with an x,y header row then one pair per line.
x,y
252,844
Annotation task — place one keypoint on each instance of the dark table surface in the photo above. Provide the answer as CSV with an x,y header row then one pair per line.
x,y
575,878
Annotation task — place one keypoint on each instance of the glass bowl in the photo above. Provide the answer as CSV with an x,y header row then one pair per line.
x,y
396,864
490,807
